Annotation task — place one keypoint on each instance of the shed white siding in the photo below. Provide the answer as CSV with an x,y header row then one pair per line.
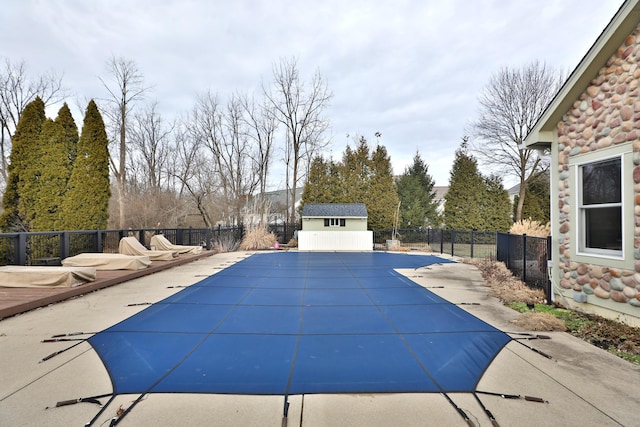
x,y
335,240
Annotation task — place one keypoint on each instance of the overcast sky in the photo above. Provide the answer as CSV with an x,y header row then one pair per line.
x,y
412,70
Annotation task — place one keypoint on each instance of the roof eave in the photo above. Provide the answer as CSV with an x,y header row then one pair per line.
x,y
618,29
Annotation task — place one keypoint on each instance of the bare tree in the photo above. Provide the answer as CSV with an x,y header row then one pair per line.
x,y
16,91
510,105
261,127
299,108
194,172
125,89
151,139
222,130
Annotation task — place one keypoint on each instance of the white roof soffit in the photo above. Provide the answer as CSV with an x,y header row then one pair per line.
x,y
618,29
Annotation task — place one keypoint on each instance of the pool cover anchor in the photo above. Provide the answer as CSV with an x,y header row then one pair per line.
x,y
493,420
55,353
72,334
92,399
285,412
535,350
491,417
460,411
514,396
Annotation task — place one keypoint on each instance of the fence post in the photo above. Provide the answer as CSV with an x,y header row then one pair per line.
x,y
21,249
549,285
524,258
472,243
99,244
64,245
208,238
441,241
453,238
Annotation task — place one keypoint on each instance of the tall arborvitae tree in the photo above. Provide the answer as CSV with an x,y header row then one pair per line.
x,y
23,154
52,168
355,172
86,202
417,198
496,206
361,177
65,119
463,201
318,189
382,198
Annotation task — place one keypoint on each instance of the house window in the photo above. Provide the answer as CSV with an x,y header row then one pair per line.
x,y
334,222
600,207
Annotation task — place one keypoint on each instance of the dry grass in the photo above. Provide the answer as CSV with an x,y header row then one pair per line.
x,y
293,243
504,285
535,321
225,243
258,239
531,228
617,338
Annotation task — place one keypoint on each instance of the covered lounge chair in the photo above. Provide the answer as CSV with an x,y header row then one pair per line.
x,y
131,246
103,261
162,243
25,276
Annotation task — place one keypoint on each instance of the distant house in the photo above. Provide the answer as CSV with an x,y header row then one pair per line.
x,y
592,129
279,201
335,227
440,192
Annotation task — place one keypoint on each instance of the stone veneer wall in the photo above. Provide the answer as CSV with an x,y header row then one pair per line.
x,y
606,114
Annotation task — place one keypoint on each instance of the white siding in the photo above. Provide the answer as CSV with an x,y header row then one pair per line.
x,y
335,240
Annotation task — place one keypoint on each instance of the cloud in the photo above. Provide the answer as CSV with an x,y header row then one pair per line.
x,y
411,70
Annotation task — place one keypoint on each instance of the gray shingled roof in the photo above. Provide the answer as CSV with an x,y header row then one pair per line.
x,y
335,210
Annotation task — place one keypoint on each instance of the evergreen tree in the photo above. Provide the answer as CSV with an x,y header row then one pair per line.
x,y
536,205
86,202
316,189
23,154
415,190
355,173
313,188
382,198
463,201
361,177
65,119
52,169
496,207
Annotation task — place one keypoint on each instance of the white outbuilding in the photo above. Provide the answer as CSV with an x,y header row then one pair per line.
x,y
335,227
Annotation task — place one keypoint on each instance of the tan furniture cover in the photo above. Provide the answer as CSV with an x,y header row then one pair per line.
x,y
131,246
19,276
162,243
102,261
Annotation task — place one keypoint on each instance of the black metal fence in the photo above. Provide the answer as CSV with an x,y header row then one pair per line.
x,y
285,232
525,256
50,248
462,243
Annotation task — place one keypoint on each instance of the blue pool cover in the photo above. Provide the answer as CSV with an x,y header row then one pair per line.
x,y
293,323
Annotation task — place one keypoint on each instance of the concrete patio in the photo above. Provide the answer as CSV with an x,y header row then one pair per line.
x,y
581,384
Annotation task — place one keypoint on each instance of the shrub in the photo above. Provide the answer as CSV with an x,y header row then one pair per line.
x,y
225,243
530,228
257,239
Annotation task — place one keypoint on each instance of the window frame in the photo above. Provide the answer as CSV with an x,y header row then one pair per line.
x,y
335,222
582,210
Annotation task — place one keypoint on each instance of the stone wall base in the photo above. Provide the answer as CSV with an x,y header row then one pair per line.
x,y
568,302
